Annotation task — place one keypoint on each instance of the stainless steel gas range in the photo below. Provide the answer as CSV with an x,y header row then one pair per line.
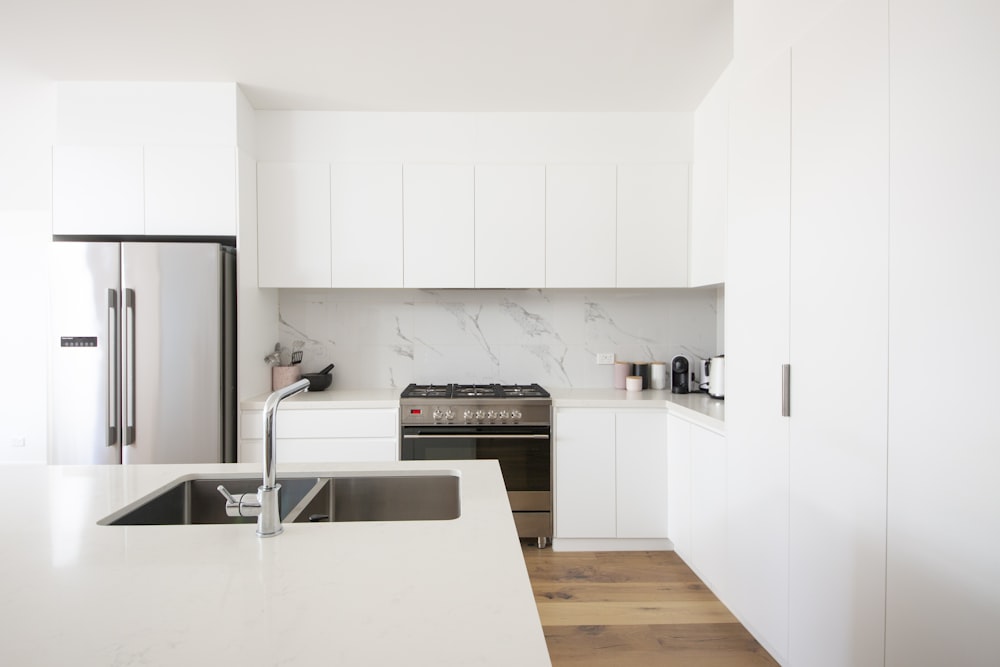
x,y
509,423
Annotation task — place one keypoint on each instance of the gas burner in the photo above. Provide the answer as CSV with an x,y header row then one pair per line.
x,y
522,391
474,391
427,391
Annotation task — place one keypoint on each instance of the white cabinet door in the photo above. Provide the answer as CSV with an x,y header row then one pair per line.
x,y
757,340
944,500
839,312
438,225
580,203
652,229
585,473
510,226
366,234
641,473
97,190
293,224
708,507
679,485
190,190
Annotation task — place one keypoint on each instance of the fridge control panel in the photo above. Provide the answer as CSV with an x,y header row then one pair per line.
x,y
78,341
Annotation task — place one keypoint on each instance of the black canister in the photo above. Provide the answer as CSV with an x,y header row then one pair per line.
x,y
641,368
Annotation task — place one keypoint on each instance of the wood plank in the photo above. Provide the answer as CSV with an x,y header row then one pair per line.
x,y
725,645
634,612
546,591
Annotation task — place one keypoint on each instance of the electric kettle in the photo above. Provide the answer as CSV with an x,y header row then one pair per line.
x,y
717,376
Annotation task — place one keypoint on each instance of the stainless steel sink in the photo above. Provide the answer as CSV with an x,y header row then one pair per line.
x,y
382,498
195,500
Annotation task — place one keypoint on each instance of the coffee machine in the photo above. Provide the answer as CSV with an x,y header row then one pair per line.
x,y
680,372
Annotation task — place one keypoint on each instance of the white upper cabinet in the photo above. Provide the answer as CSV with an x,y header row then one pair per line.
x,y
580,213
438,226
190,190
148,158
366,232
293,228
97,190
652,237
510,226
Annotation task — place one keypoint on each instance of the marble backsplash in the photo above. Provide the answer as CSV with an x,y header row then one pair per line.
x,y
390,338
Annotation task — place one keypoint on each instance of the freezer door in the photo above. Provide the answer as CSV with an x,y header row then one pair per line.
x,y
84,416
172,336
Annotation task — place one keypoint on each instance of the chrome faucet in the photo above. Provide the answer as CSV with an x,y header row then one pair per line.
x,y
264,504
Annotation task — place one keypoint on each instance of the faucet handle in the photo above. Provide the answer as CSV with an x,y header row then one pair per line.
x,y
243,504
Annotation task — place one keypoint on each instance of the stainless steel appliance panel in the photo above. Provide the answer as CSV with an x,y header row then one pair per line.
x,y
85,315
172,337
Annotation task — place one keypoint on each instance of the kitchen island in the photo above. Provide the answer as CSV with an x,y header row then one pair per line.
x,y
355,593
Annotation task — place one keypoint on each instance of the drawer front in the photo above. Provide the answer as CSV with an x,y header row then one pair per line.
x,y
362,423
324,450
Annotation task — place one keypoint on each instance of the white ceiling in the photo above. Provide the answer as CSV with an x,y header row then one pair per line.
x,y
392,55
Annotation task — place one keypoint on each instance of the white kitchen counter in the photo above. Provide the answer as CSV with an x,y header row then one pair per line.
x,y
332,398
698,408
365,593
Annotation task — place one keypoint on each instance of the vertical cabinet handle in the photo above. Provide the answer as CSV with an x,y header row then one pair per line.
x,y
786,382
113,381
129,366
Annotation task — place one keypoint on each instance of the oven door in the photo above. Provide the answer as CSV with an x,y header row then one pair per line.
x,y
524,452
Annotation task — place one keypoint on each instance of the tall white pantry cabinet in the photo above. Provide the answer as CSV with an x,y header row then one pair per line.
x,y
862,247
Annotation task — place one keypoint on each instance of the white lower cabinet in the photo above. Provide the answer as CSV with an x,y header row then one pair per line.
x,y
679,485
697,511
708,507
610,476
337,435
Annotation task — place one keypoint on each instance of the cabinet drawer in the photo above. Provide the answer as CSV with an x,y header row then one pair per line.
x,y
324,450
334,423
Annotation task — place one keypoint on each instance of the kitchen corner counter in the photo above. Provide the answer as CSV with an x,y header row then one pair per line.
x,y
359,593
698,408
332,398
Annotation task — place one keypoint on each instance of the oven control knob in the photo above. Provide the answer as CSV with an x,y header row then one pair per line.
x,y
480,414
515,414
491,415
503,415
467,415
438,414
449,415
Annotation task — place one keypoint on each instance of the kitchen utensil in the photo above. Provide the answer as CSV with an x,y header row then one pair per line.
x,y
296,357
274,359
326,370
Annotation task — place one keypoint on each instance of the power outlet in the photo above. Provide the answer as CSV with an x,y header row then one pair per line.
x,y
18,441
605,358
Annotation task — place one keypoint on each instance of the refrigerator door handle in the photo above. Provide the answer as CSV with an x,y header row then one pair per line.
x,y
113,352
129,367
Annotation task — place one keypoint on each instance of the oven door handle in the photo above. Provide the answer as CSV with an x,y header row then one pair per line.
x,y
491,436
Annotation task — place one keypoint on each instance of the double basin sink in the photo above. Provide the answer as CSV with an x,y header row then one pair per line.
x,y
195,499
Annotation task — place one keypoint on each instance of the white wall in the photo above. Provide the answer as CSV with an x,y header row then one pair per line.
x,y
389,338
26,130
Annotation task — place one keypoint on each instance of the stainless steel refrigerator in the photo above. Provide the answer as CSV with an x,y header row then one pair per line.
x,y
143,353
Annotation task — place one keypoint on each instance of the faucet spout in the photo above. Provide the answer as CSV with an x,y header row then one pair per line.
x,y
269,520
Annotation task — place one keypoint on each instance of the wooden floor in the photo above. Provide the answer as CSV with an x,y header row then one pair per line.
x,y
633,608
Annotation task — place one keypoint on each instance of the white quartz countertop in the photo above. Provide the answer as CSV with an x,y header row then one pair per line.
x,y
331,398
360,593
698,407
